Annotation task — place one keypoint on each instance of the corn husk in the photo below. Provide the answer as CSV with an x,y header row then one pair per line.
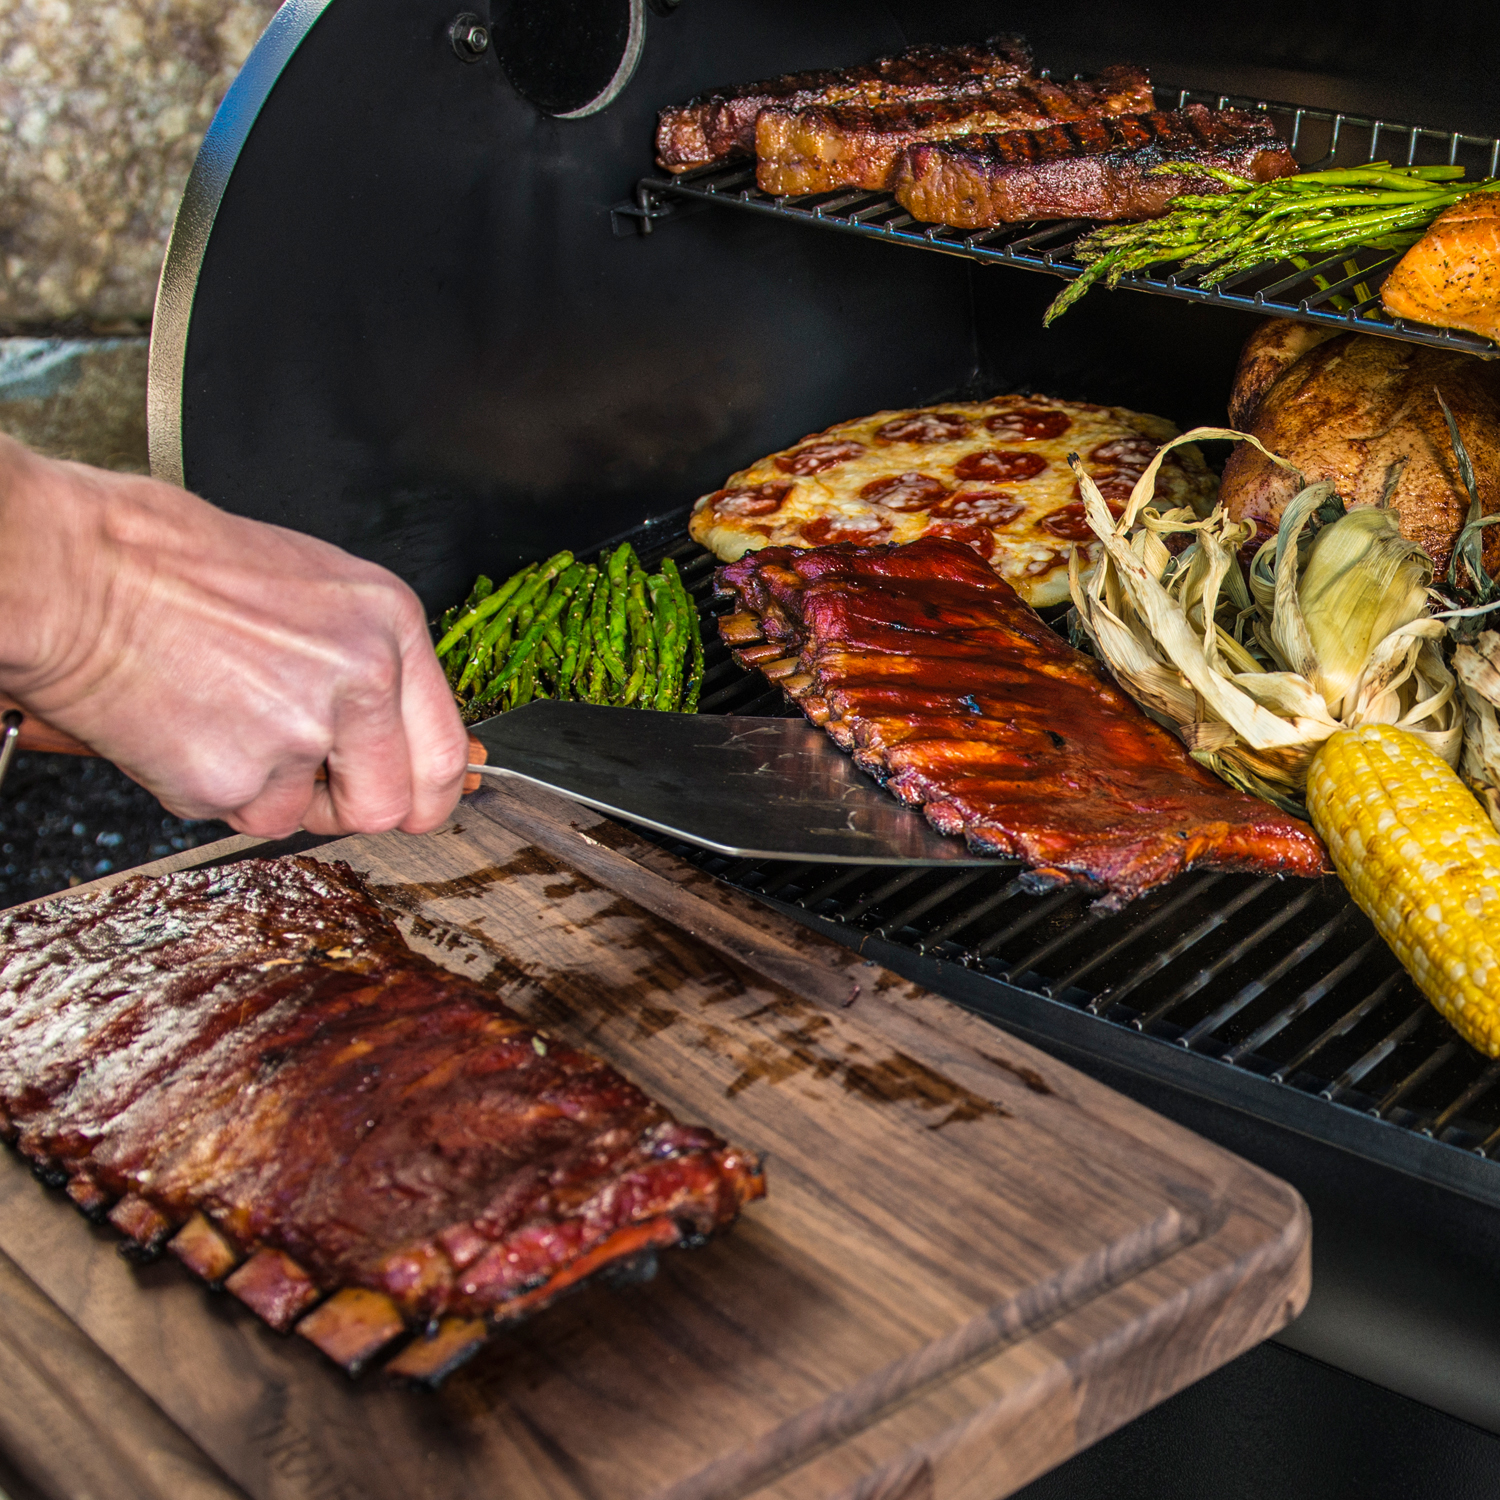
x,y
1476,649
1254,674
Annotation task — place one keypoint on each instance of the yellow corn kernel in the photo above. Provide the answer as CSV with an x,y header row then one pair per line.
x,y
1422,860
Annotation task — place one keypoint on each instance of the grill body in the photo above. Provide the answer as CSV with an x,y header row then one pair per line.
x,y
413,314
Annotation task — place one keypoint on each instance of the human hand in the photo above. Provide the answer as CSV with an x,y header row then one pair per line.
x,y
219,661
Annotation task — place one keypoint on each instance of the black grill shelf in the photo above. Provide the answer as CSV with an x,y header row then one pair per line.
x,y
1323,293
1283,981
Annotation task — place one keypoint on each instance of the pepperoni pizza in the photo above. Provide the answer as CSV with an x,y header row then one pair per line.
x,y
993,474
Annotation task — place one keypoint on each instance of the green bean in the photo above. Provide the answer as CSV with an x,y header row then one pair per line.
x,y
482,608
522,654
489,643
599,629
668,642
572,631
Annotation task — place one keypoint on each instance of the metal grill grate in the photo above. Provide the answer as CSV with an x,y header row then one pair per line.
x,y
1285,980
1326,292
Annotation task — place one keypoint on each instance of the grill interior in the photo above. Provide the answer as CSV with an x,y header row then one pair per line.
x,y
1326,291
1285,980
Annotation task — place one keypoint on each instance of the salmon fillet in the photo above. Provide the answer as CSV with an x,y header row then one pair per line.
x,y
1451,277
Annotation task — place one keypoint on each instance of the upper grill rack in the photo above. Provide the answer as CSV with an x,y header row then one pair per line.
x,y
1283,980
1342,290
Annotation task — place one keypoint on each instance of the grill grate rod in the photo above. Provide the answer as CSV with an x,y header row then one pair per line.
x,y
1345,1023
1163,915
1278,971
1418,1075
1377,1054
1108,998
1252,939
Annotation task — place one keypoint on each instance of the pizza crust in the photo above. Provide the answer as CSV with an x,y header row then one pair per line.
x,y
992,473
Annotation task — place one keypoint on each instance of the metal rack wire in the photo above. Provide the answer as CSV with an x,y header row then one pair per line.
x,y
1342,290
1283,980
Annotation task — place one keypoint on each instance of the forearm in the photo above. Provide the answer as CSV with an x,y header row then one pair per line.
x,y
49,545
217,660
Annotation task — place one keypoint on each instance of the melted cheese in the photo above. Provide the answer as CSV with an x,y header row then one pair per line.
x,y
900,475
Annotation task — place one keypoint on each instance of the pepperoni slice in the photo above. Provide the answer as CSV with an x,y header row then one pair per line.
x,y
816,457
910,491
923,427
754,500
1028,423
1116,487
823,531
998,466
986,507
977,537
1070,523
1125,453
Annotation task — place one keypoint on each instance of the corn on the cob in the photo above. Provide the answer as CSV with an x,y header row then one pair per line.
x,y
1422,860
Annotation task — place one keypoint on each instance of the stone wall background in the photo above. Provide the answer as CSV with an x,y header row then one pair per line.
x,y
102,109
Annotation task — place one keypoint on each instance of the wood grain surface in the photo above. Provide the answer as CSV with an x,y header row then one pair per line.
x,y
972,1262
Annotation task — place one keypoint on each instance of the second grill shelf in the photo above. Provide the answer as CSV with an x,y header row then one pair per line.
x,y
1326,292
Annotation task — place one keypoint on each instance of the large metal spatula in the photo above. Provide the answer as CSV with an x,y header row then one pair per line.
x,y
751,788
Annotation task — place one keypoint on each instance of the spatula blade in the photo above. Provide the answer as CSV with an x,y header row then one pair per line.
x,y
750,788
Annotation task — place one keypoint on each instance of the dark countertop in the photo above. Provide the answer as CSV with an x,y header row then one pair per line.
x,y
65,819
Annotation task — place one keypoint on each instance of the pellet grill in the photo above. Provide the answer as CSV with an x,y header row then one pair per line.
x,y
429,298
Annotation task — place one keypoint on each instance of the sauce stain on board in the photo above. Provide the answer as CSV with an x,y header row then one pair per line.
x,y
791,1037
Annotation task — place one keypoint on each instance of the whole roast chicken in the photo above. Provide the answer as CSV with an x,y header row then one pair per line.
x,y
1364,413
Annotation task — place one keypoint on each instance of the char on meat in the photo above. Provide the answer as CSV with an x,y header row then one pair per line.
x,y
720,125
945,686
814,148
1089,169
251,1059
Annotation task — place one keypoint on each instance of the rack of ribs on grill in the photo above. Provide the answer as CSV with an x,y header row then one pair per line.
x,y
720,126
955,694
249,1067
1090,169
812,149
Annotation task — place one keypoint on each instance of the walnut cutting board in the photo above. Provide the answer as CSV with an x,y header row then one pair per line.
x,y
972,1261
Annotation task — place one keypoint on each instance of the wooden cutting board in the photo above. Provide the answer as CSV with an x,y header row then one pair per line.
x,y
972,1262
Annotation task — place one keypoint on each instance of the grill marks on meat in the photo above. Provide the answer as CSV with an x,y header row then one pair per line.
x,y
943,685
813,149
720,125
251,1059
1091,169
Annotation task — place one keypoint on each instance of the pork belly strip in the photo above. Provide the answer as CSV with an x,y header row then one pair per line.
x,y
813,149
254,1057
720,125
956,695
1089,169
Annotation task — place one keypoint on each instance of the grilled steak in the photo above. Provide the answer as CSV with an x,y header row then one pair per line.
x,y
252,1060
823,146
956,695
720,125
1350,409
1092,169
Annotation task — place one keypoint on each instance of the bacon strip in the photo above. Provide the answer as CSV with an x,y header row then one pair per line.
x,y
956,695
253,1068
